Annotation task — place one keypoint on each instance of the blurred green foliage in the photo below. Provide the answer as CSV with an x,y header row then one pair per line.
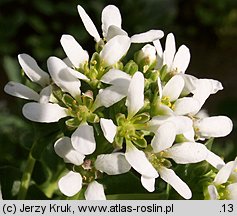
x,y
207,27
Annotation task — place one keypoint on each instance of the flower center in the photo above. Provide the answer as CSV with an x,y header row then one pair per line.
x,y
157,160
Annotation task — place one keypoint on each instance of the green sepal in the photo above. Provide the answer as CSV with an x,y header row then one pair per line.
x,y
93,118
141,118
87,101
68,100
118,142
99,46
163,72
154,110
120,119
95,61
73,123
180,138
140,142
154,75
119,65
57,92
131,67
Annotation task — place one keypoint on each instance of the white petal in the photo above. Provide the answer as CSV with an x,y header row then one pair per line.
x,y
114,31
68,62
110,16
115,49
112,164
83,139
164,110
164,137
183,124
214,160
32,70
185,106
159,52
89,25
148,183
45,94
202,114
216,126
212,192
225,172
187,152
62,77
64,149
95,191
169,51
173,88
77,74
44,113
21,91
232,188
70,184
181,59
171,178
189,135
74,50
190,83
205,87
139,162
147,37
135,97
115,77
109,96
109,129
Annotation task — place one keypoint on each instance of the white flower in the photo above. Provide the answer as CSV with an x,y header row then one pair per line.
x,y
177,62
182,153
71,184
73,151
226,175
82,143
36,75
66,80
119,82
111,26
135,101
171,92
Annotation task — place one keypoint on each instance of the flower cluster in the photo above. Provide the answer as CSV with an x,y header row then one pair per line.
x,y
142,114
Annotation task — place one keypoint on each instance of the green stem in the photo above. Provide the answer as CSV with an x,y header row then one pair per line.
x,y
26,177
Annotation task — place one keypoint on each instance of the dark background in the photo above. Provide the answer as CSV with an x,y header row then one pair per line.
x,y
207,27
